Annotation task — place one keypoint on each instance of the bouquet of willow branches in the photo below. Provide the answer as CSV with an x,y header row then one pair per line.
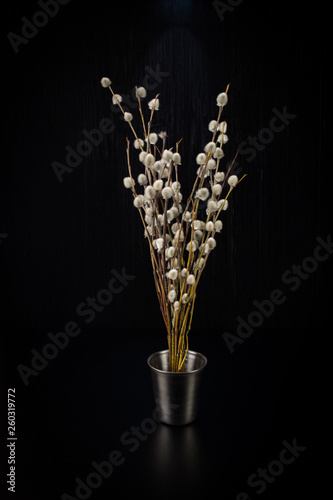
x,y
179,242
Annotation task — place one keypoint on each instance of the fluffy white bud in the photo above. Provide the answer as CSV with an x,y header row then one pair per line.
x,y
167,155
198,234
150,193
212,125
232,181
170,215
218,153
149,160
223,203
170,252
142,156
105,82
141,92
116,99
154,103
190,280
183,272
172,274
174,210
197,224
202,194
176,158
142,179
201,159
211,242
223,127
223,138
159,243
148,219
187,217
192,246
172,295
210,226
211,164
200,263
175,227
165,173
222,99
217,189
219,176
211,146
157,166
148,231
128,182
178,197
202,172
139,201
158,185
128,117
136,143
179,236
211,206
218,226
153,138
166,193
185,298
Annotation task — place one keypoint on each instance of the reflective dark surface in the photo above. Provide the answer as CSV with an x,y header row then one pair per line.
x,y
92,425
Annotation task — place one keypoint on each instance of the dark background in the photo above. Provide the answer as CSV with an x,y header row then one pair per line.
x,y
60,242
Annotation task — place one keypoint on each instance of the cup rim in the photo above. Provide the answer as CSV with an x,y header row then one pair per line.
x,y
195,353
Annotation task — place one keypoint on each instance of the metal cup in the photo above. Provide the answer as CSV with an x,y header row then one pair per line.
x,y
177,393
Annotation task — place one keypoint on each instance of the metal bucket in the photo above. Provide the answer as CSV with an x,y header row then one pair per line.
x,y
177,394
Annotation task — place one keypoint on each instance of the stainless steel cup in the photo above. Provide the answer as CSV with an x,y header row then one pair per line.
x,y
177,394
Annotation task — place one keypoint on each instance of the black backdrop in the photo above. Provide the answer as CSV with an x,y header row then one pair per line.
x,y
61,242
